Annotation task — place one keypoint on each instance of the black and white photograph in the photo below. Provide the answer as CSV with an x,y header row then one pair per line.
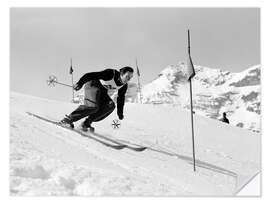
x,y
135,101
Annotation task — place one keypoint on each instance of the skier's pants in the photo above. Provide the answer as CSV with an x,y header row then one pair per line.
x,y
97,104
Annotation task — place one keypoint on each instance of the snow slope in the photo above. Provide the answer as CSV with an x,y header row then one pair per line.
x,y
48,160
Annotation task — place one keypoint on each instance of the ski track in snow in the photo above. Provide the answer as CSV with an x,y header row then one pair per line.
x,y
48,160
39,171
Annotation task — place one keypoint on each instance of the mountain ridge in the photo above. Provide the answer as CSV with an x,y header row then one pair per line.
x,y
214,91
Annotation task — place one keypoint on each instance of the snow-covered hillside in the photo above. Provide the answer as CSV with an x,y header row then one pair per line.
x,y
214,92
49,160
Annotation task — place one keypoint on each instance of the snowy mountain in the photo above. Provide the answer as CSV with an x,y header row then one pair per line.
x,y
214,92
46,159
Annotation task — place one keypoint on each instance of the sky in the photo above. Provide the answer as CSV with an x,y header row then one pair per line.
x,y
43,40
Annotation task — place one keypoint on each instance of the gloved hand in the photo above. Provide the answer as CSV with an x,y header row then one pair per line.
x,y
77,87
120,116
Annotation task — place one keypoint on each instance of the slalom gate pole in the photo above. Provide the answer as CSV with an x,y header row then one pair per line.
x,y
191,110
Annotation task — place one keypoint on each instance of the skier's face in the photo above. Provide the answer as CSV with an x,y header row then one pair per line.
x,y
126,77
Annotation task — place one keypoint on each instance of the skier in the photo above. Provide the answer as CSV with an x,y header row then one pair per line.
x,y
97,102
224,118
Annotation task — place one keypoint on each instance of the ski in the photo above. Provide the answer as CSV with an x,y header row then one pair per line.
x,y
128,144
105,140
106,143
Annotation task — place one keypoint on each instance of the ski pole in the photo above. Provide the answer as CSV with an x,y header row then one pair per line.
x,y
64,84
53,79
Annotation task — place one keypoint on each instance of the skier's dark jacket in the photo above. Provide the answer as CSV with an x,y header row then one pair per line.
x,y
106,75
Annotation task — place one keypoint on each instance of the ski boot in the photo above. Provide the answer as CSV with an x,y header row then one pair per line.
x,y
91,129
66,122
85,126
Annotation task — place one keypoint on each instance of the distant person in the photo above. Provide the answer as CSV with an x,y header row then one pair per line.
x,y
97,102
224,118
